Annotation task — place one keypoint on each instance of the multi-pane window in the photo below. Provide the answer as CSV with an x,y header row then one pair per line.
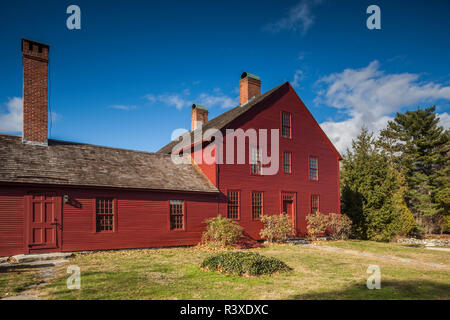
x,y
176,214
313,168
255,164
314,204
286,124
257,205
233,205
104,214
287,162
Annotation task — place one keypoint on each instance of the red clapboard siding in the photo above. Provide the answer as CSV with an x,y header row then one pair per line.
x,y
142,219
307,140
11,222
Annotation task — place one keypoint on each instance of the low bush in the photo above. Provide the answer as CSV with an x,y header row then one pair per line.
x,y
276,227
243,263
337,226
316,225
221,232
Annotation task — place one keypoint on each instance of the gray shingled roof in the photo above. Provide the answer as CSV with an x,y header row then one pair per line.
x,y
224,119
67,163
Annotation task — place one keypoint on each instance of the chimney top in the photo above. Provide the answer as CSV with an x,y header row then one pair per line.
x,y
199,107
246,74
35,50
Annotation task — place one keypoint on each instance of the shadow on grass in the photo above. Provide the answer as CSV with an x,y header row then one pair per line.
x,y
389,290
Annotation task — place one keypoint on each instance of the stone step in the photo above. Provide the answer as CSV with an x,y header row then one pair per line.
x,y
33,264
22,258
298,241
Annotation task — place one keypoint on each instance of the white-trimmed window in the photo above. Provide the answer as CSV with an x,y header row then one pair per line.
x,y
176,214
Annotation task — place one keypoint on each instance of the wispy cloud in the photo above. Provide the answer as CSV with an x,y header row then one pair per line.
x,y
444,120
370,97
299,18
123,107
11,120
217,100
173,100
185,99
298,76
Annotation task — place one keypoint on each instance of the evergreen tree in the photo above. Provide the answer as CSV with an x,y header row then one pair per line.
x,y
419,148
373,192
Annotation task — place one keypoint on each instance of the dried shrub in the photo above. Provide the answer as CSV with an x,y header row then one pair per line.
x,y
317,225
339,226
221,232
276,227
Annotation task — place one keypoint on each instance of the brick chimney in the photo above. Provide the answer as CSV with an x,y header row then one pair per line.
x,y
35,104
249,87
199,114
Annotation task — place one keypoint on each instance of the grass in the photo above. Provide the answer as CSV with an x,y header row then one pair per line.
x,y
13,283
392,249
317,274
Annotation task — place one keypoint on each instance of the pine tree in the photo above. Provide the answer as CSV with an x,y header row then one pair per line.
x,y
419,148
373,192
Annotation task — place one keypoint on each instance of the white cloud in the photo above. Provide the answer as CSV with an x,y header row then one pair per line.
x,y
298,76
299,19
370,97
123,107
173,100
11,121
218,100
179,101
445,120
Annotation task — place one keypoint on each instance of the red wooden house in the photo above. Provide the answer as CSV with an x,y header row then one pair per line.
x,y
65,196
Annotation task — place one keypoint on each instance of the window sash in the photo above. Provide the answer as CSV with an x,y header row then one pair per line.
x,y
287,157
286,125
104,214
257,205
256,165
313,168
176,214
233,204
314,204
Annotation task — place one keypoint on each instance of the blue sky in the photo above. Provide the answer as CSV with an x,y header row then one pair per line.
x,y
128,77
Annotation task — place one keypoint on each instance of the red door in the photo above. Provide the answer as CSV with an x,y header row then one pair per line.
x,y
287,208
288,205
44,222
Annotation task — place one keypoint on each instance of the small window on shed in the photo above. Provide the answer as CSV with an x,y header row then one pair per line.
x,y
104,214
176,214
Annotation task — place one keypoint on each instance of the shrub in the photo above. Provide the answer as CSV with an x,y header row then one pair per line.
x,y
276,227
339,226
243,263
221,231
317,224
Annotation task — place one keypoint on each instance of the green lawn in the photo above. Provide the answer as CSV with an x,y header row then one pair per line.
x,y
392,249
316,274
13,283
